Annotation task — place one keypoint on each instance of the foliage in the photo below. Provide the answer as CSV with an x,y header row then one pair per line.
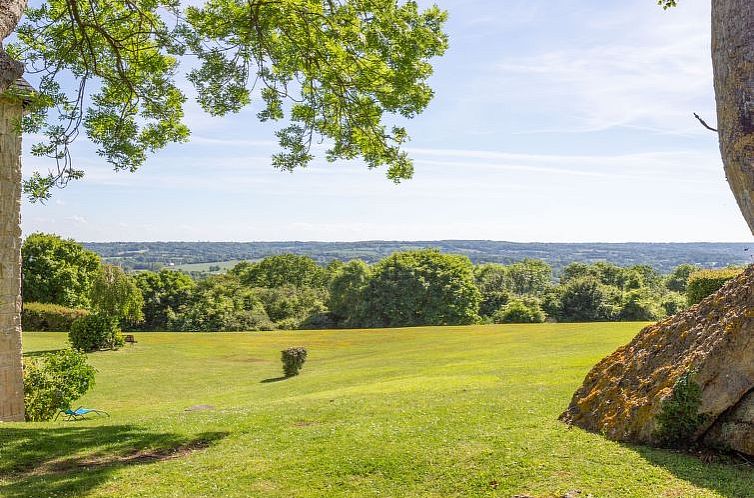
x,y
53,381
492,281
528,277
639,306
114,294
288,306
49,317
221,303
678,279
282,270
57,271
164,292
293,359
679,417
347,291
586,299
706,282
519,310
673,302
95,332
335,70
420,288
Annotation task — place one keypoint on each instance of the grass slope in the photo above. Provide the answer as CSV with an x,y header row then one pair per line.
x,y
436,412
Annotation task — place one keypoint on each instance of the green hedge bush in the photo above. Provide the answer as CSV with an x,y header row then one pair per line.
x,y
95,332
42,317
53,381
706,282
293,360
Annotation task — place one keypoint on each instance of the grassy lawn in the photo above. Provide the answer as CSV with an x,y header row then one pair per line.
x,y
452,411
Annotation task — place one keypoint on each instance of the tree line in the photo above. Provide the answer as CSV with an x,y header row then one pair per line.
x,y
407,288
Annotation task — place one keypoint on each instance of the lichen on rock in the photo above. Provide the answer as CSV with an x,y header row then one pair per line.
x,y
708,348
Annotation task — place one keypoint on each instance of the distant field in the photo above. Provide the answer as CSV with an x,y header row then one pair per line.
x,y
205,267
425,412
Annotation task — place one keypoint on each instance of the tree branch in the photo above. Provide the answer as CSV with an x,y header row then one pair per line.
x,y
704,123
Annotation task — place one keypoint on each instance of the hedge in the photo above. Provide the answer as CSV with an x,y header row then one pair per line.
x,y
49,317
706,282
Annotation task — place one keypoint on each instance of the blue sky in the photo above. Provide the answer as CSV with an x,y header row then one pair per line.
x,y
554,120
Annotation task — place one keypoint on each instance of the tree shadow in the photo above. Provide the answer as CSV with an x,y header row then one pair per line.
x,y
273,379
717,472
70,461
30,354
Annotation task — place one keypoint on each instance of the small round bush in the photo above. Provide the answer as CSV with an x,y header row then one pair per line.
x,y
520,311
53,381
293,360
95,332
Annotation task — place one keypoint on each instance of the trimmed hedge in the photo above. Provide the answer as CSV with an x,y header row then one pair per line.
x,y
42,317
293,360
705,282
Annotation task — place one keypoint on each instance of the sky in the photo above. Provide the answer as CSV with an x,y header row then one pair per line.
x,y
553,121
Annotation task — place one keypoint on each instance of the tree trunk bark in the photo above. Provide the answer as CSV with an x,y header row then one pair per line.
x,y
11,367
11,370
733,65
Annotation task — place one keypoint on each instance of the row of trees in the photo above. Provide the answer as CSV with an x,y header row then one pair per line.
x,y
288,291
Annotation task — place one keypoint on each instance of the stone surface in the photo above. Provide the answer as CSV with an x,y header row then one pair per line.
x,y
623,394
11,379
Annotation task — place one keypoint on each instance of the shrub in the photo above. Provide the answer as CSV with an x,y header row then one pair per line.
x,y
95,332
706,282
53,381
293,360
520,311
49,317
679,417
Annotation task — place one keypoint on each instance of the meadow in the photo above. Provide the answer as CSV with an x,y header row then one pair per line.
x,y
420,412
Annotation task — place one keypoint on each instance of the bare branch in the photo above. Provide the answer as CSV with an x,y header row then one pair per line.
x,y
704,123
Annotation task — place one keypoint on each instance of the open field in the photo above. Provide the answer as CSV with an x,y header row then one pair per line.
x,y
453,411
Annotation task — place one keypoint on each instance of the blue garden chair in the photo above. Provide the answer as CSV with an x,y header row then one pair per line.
x,y
80,413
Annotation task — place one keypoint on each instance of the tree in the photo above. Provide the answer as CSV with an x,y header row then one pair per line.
x,y
586,299
116,296
530,276
163,292
347,291
337,70
679,277
57,271
281,270
492,281
420,288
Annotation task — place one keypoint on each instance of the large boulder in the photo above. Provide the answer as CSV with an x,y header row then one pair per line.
x,y
687,379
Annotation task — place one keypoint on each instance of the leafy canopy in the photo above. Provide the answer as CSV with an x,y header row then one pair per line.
x,y
337,71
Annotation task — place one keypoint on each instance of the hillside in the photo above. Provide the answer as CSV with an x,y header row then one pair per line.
x,y
662,256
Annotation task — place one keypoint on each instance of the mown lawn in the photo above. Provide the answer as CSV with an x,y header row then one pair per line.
x,y
453,411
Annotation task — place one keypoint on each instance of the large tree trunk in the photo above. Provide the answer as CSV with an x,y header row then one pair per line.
x,y
11,369
733,64
11,372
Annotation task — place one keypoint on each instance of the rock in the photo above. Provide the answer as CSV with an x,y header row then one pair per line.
x,y
735,429
711,344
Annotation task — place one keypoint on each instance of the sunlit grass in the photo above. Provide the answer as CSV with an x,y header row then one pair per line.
x,y
452,411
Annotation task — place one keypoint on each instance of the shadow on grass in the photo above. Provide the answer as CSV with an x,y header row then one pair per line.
x,y
30,354
70,461
273,379
724,475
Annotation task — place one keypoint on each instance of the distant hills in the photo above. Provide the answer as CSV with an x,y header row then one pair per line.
x,y
662,256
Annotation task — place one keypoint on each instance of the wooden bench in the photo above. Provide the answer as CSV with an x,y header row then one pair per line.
x,y
129,338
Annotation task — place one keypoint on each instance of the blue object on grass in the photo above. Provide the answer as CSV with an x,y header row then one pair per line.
x,y
80,413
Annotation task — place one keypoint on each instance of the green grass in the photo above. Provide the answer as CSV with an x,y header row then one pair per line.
x,y
438,412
